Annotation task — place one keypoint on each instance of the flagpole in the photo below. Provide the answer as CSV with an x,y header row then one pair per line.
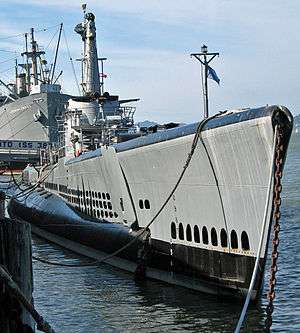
x,y
205,86
205,58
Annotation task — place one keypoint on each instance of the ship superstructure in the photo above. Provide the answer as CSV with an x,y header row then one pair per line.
x,y
31,107
96,118
205,186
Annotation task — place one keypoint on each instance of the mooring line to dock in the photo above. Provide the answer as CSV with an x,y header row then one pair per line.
x,y
142,231
42,324
256,265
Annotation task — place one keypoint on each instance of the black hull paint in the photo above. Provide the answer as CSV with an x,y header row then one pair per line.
x,y
214,272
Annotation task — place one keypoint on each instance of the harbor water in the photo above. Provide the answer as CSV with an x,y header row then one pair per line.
x,y
104,299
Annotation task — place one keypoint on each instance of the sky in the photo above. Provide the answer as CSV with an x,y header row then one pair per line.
x,y
148,46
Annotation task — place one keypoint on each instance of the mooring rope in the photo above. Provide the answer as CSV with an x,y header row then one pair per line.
x,y
265,219
42,324
142,231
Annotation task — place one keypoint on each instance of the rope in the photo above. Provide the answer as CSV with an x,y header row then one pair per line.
x,y
23,33
256,265
142,231
219,193
71,60
51,40
31,188
52,263
42,324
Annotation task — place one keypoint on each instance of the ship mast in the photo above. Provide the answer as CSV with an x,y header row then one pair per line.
x,y
56,53
34,54
33,57
205,58
27,63
91,85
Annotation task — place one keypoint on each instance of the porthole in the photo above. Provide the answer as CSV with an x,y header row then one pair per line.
x,y
147,204
94,203
100,204
102,213
103,195
214,237
223,236
245,241
234,240
141,204
98,213
173,230
111,215
93,194
196,234
107,196
188,233
204,235
97,203
181,232
106,214
115,214
99,195
109,205
104,204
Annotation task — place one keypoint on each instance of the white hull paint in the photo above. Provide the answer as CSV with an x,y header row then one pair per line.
x,y
241,155
211,227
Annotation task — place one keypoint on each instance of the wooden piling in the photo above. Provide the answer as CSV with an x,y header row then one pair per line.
x,y
15,258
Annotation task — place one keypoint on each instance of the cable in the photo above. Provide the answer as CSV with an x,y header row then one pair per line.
x,y
12,36
47,28
23,33
16,116
1,50
219,193
256,265
2,62
44,261
51,40
7,69
13,135
71,60
42,324
142,231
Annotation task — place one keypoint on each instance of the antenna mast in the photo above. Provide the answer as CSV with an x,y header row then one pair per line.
x,y
56,52
205,58
27,64
33,57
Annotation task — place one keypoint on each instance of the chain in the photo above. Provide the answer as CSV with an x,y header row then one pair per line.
x,y
276,227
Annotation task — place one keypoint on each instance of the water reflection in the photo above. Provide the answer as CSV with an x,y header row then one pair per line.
x,y
109,300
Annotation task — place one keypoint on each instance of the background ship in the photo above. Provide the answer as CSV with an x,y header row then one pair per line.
x,y
30,109
200,194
